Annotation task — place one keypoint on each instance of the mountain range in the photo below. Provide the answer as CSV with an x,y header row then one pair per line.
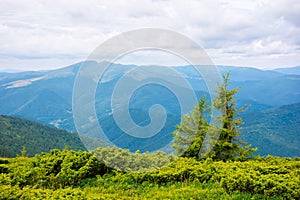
x,y
46,97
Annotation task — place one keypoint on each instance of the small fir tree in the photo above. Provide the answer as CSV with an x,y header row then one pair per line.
x,y
190,134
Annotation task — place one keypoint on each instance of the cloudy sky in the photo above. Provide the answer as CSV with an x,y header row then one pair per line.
x,y
48,34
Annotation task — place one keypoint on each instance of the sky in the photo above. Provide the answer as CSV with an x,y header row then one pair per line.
x,y
40,35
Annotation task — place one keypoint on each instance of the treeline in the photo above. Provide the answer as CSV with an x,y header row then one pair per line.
x,y
16,133
71,174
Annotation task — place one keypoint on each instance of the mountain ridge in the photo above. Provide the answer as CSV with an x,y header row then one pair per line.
x,y
289,70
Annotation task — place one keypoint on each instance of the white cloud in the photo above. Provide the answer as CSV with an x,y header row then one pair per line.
x,y
259,33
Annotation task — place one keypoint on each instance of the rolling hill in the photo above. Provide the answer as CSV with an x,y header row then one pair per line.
x,y
16,133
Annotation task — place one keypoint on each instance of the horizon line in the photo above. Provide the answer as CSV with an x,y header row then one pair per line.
x,y
15,70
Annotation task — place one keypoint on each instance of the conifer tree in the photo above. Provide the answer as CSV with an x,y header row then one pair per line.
x,y
189,135
228,145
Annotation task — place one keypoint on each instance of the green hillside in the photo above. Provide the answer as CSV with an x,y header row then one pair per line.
x,y
78,175
274,131
16,133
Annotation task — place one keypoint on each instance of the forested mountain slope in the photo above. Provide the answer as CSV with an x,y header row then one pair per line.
x,y
16,133
275,131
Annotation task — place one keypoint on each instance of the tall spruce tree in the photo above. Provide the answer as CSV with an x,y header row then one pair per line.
x,y
228,146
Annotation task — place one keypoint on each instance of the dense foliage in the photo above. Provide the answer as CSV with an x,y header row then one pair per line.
x,y
271,176
15,133
57,169
78,175
124,160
